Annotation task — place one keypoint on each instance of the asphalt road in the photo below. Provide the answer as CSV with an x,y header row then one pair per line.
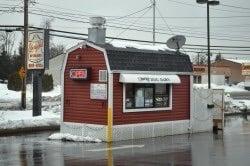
x,y
203,149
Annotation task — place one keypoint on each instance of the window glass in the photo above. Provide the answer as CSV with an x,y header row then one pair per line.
x,y
129,96
161,95
199,79
139,97
147,96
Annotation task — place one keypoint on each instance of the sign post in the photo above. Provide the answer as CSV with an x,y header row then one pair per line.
x,y
36,62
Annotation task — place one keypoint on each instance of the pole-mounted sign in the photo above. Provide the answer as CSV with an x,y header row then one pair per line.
x,y
35,59
38,61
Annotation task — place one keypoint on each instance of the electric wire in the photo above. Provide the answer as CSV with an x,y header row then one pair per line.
x,y
193,46
200,6
131,24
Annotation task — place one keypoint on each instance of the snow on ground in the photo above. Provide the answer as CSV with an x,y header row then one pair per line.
x,y
23,119
231,105
9,95
227,88
69,137
11,117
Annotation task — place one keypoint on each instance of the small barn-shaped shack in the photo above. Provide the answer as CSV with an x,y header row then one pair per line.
x,y
114,93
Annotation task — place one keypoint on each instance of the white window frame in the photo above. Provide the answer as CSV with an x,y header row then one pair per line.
x,y
147,109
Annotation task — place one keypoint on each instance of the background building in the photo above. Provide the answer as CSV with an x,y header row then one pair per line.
x,y
55,68
219,74
236,67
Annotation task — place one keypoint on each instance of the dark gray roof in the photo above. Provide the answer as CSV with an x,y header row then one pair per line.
x,y
147,60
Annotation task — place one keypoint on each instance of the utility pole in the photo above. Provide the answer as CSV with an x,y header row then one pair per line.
x,y
154,22
208,49
25,51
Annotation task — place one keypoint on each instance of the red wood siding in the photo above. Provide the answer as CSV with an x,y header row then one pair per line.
x,y
180,104
77,104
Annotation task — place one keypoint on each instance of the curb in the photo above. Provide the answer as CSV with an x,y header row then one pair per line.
x,y
26,130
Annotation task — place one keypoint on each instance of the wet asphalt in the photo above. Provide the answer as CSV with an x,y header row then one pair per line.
x,y
230,148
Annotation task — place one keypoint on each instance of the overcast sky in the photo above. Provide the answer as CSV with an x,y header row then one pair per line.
x,y
229,24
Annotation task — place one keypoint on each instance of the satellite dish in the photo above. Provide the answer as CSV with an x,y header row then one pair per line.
x,y
176,42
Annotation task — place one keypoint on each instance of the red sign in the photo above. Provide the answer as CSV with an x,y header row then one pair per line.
x,y
80,74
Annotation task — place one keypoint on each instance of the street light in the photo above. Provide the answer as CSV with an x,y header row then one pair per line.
x,y
212,3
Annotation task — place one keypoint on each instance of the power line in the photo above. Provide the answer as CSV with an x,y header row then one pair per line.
x,y
228,53
136,12
132,23
163,30
217,49
140,30
188,4
126,39
164,20
236,7
195,17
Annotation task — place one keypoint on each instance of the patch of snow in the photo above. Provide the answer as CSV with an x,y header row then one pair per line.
x,y
241,85
125,44
69,137
55,92
227,88
10,100
9,95
23,119
231,105
11,117
241,104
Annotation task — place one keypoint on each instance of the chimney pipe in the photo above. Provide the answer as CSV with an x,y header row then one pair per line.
x,y
97,32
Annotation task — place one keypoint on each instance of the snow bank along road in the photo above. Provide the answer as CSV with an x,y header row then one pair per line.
x,y
14,120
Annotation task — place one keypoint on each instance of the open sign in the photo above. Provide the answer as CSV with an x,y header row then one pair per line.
x,y
79,74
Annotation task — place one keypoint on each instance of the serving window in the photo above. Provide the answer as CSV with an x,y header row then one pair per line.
x,y
147,97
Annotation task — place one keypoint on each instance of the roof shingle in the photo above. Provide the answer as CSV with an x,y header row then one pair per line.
x,y
147,60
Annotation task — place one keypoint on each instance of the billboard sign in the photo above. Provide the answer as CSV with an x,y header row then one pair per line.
x,y
35,58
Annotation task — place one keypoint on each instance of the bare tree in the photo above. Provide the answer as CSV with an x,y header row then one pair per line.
x,y
56,49
218,57
7,40
200,58
47,23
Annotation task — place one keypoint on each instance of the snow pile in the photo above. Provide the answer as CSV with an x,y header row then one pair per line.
x,y
227,88
24,119
55,92
9,95
235,105
11,117
69,137
231,105
10,100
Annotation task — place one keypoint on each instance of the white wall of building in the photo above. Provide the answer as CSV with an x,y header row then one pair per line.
x,y
55,68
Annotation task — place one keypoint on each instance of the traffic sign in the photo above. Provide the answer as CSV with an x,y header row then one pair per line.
x,y
22,72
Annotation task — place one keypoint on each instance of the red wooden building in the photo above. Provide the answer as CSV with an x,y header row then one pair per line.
x,y
115,93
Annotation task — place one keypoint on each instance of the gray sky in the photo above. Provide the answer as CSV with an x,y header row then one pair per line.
x,y
229,25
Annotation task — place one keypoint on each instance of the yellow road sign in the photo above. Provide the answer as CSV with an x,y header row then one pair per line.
x,y
22,72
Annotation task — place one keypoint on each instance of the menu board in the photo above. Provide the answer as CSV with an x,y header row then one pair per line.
x,y
98,91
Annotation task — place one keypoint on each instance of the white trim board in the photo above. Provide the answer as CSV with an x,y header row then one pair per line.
x,y
150,72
